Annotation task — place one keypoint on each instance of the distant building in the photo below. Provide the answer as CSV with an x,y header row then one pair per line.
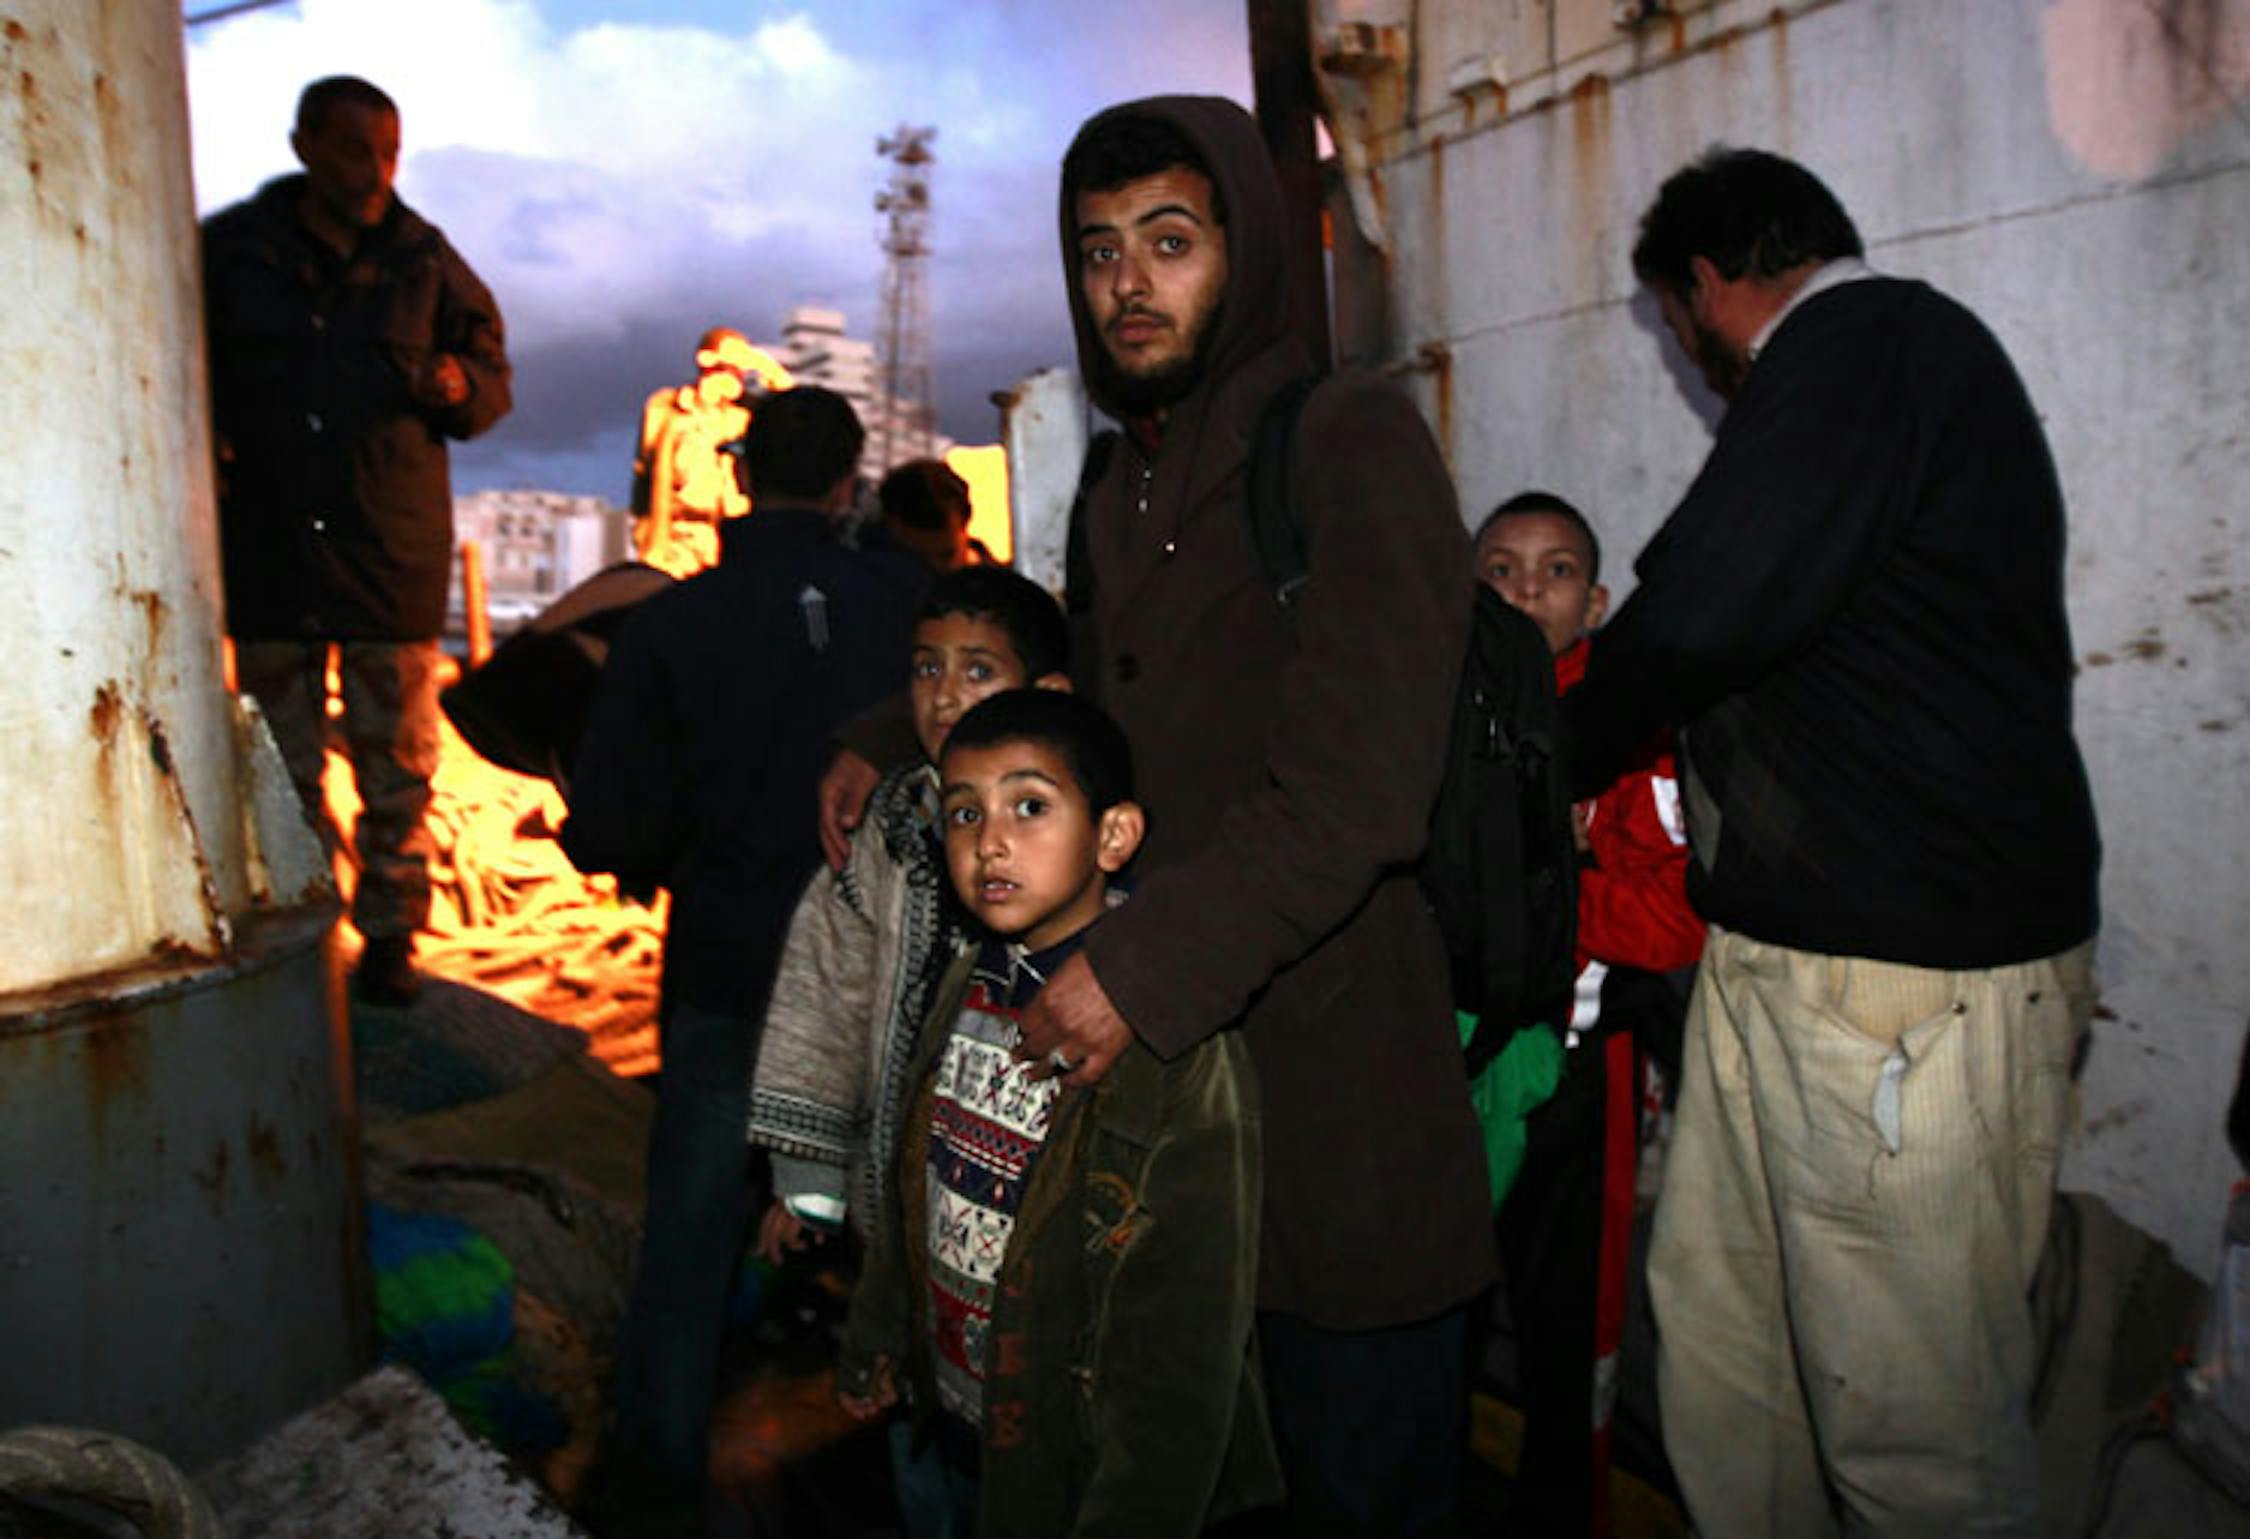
x,y
536,546
815,351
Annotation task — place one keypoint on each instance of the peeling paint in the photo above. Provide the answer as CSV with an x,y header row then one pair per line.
x,y
264,1148
211,1175
2122,1115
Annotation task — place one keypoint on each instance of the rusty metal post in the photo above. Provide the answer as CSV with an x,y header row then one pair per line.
x,y
476,618
1288,105
177,1218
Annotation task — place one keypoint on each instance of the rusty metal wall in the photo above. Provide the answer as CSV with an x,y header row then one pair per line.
x,y
179,1256
178,1222
116,750
2078,172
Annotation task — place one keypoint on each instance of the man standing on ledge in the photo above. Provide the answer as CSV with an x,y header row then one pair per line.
x,y
348,341
1288,759
1856,619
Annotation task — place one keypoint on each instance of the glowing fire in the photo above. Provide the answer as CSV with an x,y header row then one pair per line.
x,y
509,914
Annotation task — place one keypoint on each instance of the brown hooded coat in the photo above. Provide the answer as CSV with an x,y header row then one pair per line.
x,y
1289,761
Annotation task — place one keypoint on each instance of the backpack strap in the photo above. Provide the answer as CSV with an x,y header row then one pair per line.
x,y
1275,534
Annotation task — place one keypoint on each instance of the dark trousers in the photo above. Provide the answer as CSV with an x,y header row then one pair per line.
x,y
700,1198
1373,1425
1564,1234
391,731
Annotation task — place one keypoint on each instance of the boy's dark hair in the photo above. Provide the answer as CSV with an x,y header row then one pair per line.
x,y
1747,212
1078,730
1536,501
1027,612
925,494
316,100
1127,146
800,444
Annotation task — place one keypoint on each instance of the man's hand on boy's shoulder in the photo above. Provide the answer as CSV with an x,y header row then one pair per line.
x,y
850,780
1070,1028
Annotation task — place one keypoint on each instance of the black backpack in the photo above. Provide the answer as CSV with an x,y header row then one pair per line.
x,y
1501,869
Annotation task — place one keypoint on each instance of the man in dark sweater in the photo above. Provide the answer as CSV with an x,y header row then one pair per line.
x,y
1855,617
696,774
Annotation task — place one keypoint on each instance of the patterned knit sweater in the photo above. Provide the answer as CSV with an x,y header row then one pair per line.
x,y
988,1121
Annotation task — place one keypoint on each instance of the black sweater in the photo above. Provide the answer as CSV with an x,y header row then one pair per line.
x,y
1856,615
712,724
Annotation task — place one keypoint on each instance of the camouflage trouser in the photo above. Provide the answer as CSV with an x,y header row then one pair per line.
x,y
391,736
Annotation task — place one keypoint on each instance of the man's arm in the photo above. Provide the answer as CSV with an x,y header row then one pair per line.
x,y
870,745
471,343
1357,746
1805,489
627,808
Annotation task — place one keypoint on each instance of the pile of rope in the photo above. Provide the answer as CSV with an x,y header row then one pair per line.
x,y
509,914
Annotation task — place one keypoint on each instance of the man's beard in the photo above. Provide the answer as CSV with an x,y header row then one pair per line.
x,y
1723,367
1141,395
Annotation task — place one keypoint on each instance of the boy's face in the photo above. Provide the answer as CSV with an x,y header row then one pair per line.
x,y
957,661
1539,563
1027,854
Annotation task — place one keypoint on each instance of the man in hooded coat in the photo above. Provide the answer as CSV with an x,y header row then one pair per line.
x,y
1288,759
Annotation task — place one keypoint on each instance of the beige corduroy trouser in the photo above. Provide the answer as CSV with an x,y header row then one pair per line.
x,y
1853,1207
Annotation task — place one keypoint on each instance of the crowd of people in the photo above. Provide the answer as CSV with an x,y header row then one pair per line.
x,y
1114,1025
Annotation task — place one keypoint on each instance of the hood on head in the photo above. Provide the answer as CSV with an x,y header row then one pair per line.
x,y
1257,298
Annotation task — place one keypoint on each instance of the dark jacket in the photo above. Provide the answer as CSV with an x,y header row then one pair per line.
x,y
1122,1396
1288,762
1857,614
711,727
336,515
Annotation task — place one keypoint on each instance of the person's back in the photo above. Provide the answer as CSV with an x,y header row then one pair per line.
x,y
1815,759
763,655
1856,617
696,774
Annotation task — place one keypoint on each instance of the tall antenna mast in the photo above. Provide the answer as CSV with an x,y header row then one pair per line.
x,y
904,236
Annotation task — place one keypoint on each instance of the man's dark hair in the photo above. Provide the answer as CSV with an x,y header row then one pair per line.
x,y
1536,501
1128,146
1027,612
323,96
800,444
924,494
1078,731
1748,213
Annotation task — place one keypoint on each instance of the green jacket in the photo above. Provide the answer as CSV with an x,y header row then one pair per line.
x,y
1123,1395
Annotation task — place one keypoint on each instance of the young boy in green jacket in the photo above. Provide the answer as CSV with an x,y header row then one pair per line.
x,y
1064,1285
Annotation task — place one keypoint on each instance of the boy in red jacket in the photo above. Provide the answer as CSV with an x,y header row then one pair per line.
x,y
1565,1228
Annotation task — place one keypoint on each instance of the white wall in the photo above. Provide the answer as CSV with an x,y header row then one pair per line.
x,y
2078,172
